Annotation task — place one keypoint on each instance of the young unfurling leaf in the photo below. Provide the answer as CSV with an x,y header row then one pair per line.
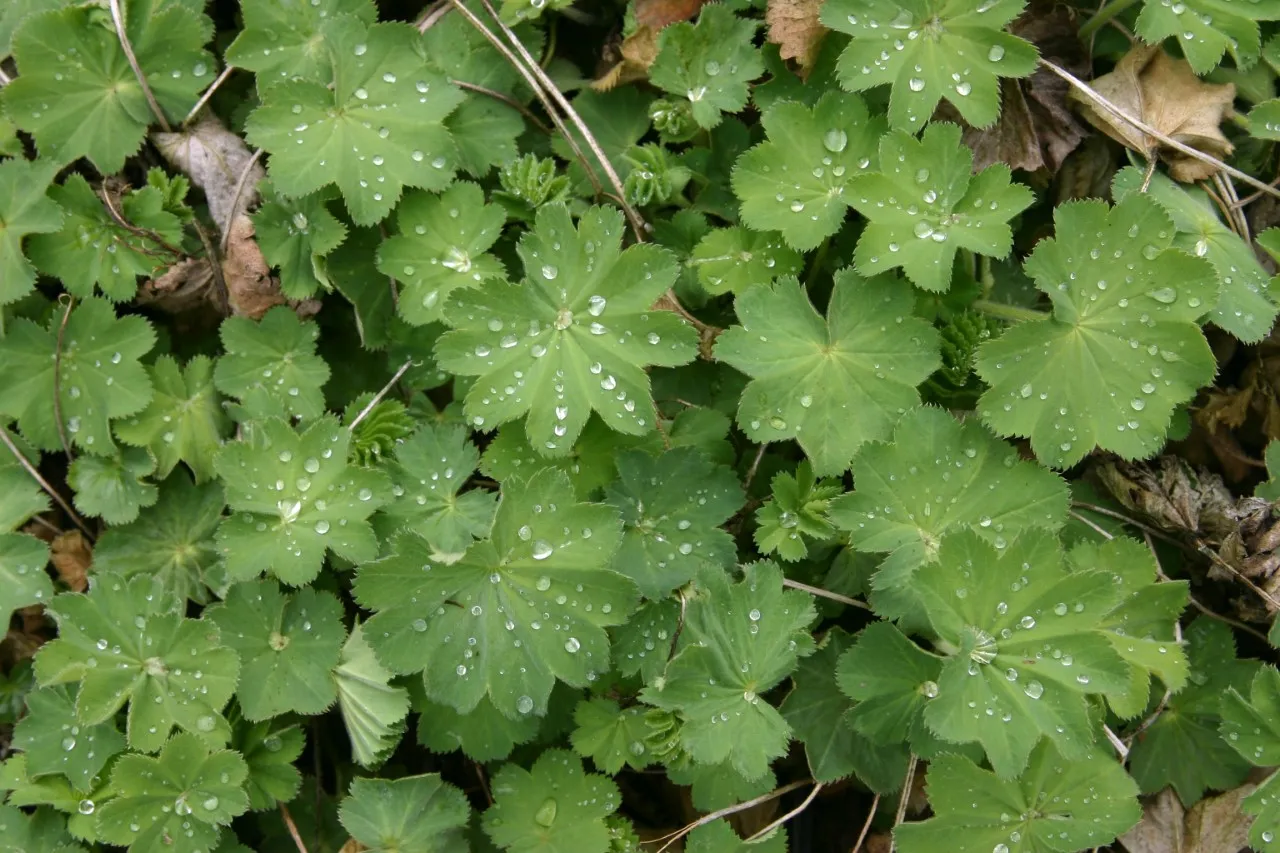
x,y
710,63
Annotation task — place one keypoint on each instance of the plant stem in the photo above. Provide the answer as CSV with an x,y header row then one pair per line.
x,y
377,398
1102,16
825,593
117,18
44,484
1008,312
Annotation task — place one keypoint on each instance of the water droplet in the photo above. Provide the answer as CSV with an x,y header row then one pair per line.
x,y
546,813
835,140
542,550
1034,689
85,807
996,53
524,704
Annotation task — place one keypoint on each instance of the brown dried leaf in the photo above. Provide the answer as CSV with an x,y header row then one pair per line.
x,y
794,27
183,287
215,159
1214,825
1166,94
71,555
353,846
251,290
640,49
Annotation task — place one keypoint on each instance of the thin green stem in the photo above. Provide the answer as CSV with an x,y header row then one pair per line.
x,y
1102,16
1008,312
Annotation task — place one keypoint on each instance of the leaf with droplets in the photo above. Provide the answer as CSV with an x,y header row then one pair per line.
x,y
518,611
927,50
1058,803
20,496
710,63
373,711
610,736
79,95
733,259
44,831
111,487
1252,728
270,749
23,580
283,40
53,739
127,641
925,204
1021,655
795,512
25,209
831,384
442,243
413,814
642,644
891,680
275,356
185,792
553,807
293,497
671,509
184,421
574,337
379,129
1122,349
1244,307
296,235
287,646
796,181
1206,29
98,377
482,734
938,476
739,641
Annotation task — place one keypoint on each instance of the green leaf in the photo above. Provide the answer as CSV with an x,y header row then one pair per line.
x,y
1022,656
795,512
127,641
185,792
283,39
1113,362
111,487
590,465
551,808
1264,120
739,641
270,749
903,509
429,470
1209,29
98,377
711,63
483,734
484,131
414,814
293,498
1252,728
925,204
611,737
618,119
17,11
719,837
372,710
275,356
23,580
25,208
287,647
810,376
296,235
1244,307
20,495
441,244
184,421
1057,804
672,507
54,741
796,182
892,680
172,541
516,594
93,248
387,424
1183,747
573,338
20,832
514,11
643,643
733,259
76,92
379,129
928,50
1270,489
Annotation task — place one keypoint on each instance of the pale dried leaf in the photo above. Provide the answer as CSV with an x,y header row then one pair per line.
x,y
640,48
1214,825
215,159
794,27
183,287
250,288
71,554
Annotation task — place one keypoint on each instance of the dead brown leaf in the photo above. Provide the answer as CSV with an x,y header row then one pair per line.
x,y
795,28
1214,825
71,555
1166,94
183,287
639,49
353,846
251,290
215,159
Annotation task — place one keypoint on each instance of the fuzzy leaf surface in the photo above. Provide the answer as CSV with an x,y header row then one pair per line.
x,y
372,709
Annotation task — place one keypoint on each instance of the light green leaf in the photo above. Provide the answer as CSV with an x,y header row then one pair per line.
x,y
1208,29
719,837
98,375
745,638
296,235
733,259
711,63
643,643
516,593
17,11
811,376
184,421
611,737
928,50
20,495
892,680
287,646
54,741
573,337
551,808
127,641
414,814
441,244
25,208
284,39
925,204
293,498
275,356
372,710
484,131
483,734
795,513
379,129
23,580
44,831
1252,729
111,487
796,182
270,749
1122,348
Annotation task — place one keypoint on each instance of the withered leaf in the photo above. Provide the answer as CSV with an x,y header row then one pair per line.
x,y
794,27
640,48
215,159
1214,825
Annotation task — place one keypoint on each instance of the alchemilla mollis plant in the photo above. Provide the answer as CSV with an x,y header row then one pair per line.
x,y
544,426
